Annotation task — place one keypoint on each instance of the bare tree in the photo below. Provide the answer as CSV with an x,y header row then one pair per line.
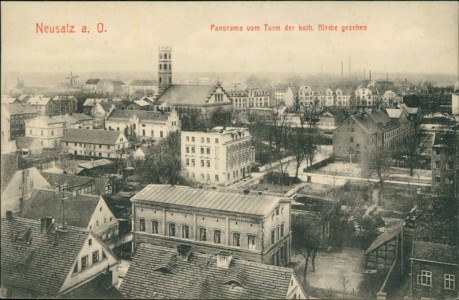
x,y
378,163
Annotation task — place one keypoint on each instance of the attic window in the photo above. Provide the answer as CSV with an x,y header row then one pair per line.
x,y
90,242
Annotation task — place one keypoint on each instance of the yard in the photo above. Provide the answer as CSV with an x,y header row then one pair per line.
x,y
337,275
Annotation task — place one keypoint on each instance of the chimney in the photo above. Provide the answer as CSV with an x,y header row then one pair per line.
x,y
46,223
9,215
224,259
184,251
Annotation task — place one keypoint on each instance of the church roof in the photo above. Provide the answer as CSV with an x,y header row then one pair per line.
x,y
186,95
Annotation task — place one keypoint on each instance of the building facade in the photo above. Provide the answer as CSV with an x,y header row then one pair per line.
x,y
252,227
44,105
445,164
49,130
14,117
221,156
143,125
66,104
94,143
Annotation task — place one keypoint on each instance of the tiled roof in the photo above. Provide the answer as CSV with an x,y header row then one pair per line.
x,y
158,272
37,261
81,117
100,287
24,142
141,102
93,81
143,115
366,123
186,95
78,209
143,83
385,237
38,100
9,164
91,136
435,252
57,180
199,198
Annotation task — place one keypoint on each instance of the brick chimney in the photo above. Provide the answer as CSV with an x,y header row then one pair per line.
x,y
224,259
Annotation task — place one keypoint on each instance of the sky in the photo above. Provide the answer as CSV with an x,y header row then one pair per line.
x,y
408,37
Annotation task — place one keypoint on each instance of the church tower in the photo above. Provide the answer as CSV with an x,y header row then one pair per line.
x,y
164,67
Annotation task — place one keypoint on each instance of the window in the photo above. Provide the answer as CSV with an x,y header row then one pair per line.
x,y
216,141
216,177
154,227
187,161
97,223
217,237
437,178
202,150
449,165
202,163
160,134
142,224
208,150
84,262
52,132
282,230
171,229
351,140
192,163
202,234
449,282
192,149
425,278
187,138
208,163
438,164
95,257
236,239
185,231
100,209
202,140
75,269
251,242
192,138
273,236
90,242
187,149
208,140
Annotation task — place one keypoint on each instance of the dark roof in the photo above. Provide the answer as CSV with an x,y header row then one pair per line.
x,y
91,136
37,261
385,237
81,117
435,252
57,180
9,163
93,81
100,287
117,82
19,109
78,209
107,105
158,272
143,115
214,200
143,83
24,142
186,95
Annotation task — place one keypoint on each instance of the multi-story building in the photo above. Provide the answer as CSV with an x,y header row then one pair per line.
x,y
252,227
320,96
220,276
445,164
367,96
434,271
285,95
41,260
66,104
94,143
220,156
250,98
44,105
50,130
143,125
362,133
14,118
239,99
100,111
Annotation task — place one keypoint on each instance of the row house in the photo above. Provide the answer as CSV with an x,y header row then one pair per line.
x,y
362,133
318,96
14,117
220,156
220,276
445,164
94,143
44,105
252,227
250,98
41,259
367,96
50,130
143,125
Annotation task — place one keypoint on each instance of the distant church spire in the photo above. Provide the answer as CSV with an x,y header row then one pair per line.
x,y
164,66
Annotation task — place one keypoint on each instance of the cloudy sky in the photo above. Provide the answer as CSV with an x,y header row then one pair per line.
x,y
413,37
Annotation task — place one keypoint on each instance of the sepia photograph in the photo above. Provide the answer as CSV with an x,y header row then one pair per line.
x,y
229,150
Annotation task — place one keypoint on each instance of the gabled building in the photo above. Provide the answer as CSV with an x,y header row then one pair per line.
x,y
14,118
66,104
89,212
138,105
161,272
94,85
94,143
252,227
220,156
18,186
100,111
143,125
44,105
367,96
40,260
89,103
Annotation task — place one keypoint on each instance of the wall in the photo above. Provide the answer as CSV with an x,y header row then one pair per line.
x,y
436,290
103,222
341,139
